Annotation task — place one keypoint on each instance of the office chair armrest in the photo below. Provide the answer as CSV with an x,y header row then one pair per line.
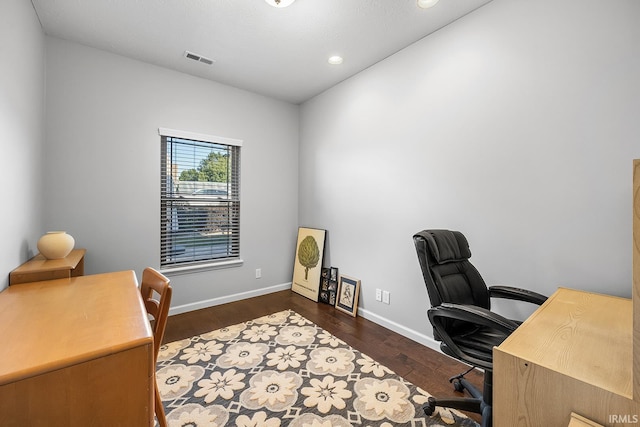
x,y
473,314
508,292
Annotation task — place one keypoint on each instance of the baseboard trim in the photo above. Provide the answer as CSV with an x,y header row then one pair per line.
x,y
400,329
228,298
375,318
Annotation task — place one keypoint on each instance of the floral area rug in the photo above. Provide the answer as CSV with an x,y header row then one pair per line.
x,y
282,370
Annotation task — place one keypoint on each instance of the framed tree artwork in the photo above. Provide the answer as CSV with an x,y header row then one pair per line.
x,y
347,295
307,265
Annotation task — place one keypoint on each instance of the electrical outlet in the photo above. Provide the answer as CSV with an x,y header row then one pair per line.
x,y
385,297
378,294
258,273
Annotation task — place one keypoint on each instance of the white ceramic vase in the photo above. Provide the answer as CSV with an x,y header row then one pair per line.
x,y
56,244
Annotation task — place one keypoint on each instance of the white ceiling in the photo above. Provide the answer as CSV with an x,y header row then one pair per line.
x,y
278,52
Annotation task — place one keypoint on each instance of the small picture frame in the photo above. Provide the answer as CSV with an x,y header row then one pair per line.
x,y
324,286
347,295
328,285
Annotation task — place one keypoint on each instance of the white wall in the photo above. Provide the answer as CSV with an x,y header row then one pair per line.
x,y
103,115
516,125
21,130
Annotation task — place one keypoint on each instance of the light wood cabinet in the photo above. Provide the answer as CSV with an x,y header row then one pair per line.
x,y
573,354
39,268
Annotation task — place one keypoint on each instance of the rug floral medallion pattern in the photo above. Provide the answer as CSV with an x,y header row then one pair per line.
x,y
282,370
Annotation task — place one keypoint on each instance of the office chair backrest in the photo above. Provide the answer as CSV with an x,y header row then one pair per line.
x,y
156,294
448,274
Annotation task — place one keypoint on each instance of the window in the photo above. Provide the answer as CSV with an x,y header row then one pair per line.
x,y
199,200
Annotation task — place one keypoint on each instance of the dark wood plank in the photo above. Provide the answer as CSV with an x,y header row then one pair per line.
x,y
416,363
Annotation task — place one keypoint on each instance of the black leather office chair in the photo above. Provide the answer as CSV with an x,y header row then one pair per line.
x,y
460,314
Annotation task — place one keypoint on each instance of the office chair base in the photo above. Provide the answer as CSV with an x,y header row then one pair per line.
x,y
477,406
456,380
487,416
430,407
459,403
479,403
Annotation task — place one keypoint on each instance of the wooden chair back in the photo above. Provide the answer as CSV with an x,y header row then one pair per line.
x,y
156,294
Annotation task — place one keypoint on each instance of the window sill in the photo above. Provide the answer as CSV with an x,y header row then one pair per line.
x,y
201,267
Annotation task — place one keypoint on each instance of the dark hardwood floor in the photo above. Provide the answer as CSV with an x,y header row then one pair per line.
x,y
416,363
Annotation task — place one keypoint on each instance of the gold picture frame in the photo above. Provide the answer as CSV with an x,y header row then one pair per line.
x,y
347,295
307,264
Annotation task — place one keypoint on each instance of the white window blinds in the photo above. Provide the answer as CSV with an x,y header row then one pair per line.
x,y
200,199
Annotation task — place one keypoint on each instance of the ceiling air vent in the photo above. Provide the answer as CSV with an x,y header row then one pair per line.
x,y
199,58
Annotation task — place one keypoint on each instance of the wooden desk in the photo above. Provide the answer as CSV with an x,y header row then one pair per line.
x,y
76,352
39,268
574,354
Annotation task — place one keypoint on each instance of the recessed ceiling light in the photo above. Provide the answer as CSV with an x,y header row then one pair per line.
x,y
335,60
426,4
279,3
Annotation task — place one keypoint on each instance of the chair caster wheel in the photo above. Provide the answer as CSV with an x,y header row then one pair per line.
x,y
430,407
457,386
